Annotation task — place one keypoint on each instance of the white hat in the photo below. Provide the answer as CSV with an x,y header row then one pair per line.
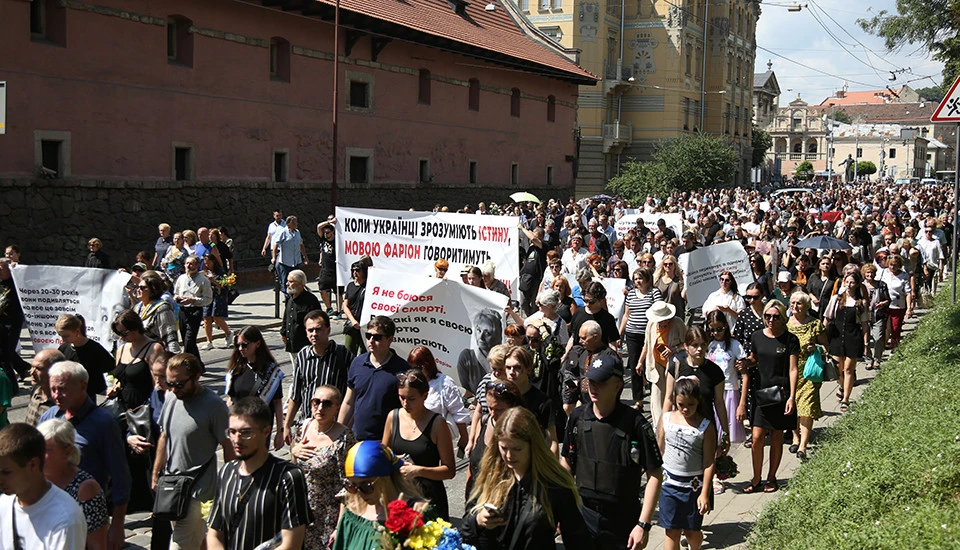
x,y
783,277
661,311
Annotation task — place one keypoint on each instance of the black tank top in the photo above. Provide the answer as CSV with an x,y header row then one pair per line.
x,y
136,381
423,452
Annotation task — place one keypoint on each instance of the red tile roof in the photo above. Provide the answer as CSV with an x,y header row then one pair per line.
x,y
493,31
869,97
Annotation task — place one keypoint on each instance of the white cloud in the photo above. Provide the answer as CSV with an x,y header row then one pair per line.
x,y
799,37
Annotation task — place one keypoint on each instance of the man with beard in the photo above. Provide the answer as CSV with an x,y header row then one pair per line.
x,y
259,497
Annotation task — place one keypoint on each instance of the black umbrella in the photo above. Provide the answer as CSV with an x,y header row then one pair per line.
x,y
824,242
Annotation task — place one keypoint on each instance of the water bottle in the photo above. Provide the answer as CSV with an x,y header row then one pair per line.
x,y
635,452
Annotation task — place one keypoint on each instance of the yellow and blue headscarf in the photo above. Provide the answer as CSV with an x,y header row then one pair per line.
x,y
370,459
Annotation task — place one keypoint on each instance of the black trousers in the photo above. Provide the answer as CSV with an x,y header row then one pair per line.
x,y
190,320
610,528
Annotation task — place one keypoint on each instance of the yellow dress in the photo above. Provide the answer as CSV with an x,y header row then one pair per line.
x,y
808,393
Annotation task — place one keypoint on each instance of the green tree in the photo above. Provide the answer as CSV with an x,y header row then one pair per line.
x,y
933,94
866,167
933,24
842,116
762,142
688,162
804,171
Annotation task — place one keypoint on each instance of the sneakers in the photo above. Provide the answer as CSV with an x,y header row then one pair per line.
x,y
207,347
228,339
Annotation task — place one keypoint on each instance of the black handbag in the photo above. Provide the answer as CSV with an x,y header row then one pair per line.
x,y
140,421
173,494
769,397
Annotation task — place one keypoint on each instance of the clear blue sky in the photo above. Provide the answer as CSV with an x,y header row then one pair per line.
x,y
800,37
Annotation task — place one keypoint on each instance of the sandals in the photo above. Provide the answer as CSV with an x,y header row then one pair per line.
x,y
844,406
793,449
752,488
718,488
839,394
748,442
801,456
771,486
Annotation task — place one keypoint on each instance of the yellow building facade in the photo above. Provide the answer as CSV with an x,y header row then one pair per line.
x,y
668,67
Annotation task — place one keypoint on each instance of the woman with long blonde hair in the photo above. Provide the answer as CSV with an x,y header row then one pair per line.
x,y
523,492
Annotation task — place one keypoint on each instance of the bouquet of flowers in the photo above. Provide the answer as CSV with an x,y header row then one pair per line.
x,y
227,281
725,467
494,209
405,528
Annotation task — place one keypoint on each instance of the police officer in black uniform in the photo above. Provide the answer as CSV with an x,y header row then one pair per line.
x,y
608,447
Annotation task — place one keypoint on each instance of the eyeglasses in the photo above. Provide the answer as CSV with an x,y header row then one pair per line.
x,y
143,287
245,435
178,385
751,297
555,266
318,403
121,333
589,300
242,345
716,330
499,390
365,488
771,317
373,336
668,264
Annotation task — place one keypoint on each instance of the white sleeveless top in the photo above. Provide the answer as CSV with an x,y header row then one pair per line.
x,y
683,447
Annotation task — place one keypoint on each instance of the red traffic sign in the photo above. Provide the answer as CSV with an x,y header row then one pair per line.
x,y
949,108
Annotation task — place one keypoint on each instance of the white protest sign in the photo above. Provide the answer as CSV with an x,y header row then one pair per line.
x,y
615,295
627,222
457,322
410,242
702,269
48,291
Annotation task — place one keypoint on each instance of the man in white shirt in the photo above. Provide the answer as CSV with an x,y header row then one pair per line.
x,y
932,255
34,513
277,225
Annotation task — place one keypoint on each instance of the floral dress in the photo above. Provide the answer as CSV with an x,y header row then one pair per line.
x,y
324,475
808,393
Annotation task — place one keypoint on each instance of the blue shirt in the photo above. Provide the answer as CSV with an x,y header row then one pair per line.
x,y
288,252
202,250
102,451
375,390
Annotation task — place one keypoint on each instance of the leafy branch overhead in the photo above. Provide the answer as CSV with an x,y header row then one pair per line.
x,y
688,162
933,24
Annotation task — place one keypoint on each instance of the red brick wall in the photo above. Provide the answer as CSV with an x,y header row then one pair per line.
x,y
124,105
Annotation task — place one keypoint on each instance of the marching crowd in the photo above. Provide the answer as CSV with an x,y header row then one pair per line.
x,y
551,443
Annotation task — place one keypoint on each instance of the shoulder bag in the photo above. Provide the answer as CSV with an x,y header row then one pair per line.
x,y
173,494
771,396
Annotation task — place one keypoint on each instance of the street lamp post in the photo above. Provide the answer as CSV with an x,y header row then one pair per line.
x,y
336,89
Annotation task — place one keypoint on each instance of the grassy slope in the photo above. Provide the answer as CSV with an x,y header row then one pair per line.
x,y
887,475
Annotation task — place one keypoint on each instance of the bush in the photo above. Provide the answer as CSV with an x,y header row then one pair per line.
x,y
886,475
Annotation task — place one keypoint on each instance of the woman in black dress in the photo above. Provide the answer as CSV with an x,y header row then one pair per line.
x,y
820,285
252,370
133,388
848,327
422,438
774,359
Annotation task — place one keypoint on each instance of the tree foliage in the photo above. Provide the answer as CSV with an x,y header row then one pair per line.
x,y
933,24
933,94
761,141
685,163
804,171
866,167
842,116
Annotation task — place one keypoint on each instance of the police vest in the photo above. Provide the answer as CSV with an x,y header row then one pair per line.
x,y
603,463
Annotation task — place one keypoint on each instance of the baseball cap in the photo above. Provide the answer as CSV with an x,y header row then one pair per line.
x,y
604,367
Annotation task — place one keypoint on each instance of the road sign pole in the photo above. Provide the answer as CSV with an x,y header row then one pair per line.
x,y
956,199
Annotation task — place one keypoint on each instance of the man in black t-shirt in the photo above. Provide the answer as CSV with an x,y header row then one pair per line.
x,y
259,497
595,302
327,281
518,367
609,465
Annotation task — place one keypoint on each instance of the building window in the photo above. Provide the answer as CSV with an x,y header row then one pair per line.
x,y
51,151
515,102
360,95
279,59
359,165
893,153
549,175
514,173
689,62
551,109
544,5
554,33
423,95
474,99
281,166
523,5
182,162
424,171
48,22
859,152
179,41
472,176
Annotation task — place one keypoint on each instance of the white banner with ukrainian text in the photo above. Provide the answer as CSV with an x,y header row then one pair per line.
x,y
702,269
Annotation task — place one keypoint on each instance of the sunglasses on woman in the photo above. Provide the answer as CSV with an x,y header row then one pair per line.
x,y
317,403
365,488
771,317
